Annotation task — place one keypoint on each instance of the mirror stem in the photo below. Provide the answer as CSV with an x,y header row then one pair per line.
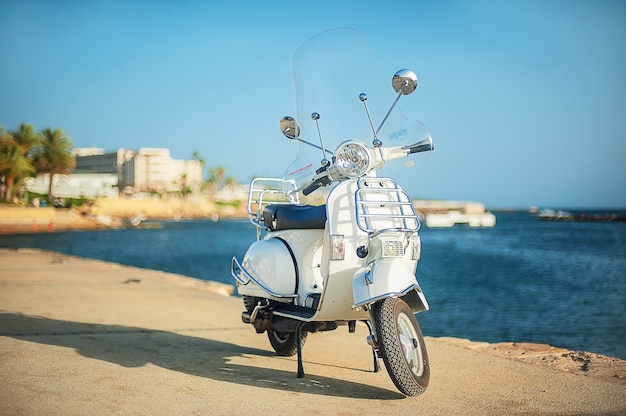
x,y
315,146
363,98
316,117
390,110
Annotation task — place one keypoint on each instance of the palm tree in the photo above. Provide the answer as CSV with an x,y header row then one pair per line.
x,y
54,155
215,180
216,175
197,157
15,164
231,182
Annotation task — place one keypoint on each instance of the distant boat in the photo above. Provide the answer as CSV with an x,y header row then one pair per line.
x,y
137,219
550,214
444,214
451,218
546,213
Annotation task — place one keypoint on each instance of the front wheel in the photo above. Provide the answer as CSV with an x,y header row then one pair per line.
x,y
285,343
401,345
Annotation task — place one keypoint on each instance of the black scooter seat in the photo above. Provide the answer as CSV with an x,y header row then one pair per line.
x,y
288,217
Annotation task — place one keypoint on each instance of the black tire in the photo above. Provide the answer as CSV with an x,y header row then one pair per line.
x,y
401,345
249,302
284,343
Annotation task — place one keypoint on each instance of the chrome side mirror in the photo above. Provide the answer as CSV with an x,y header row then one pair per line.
x,y
289,127
404,81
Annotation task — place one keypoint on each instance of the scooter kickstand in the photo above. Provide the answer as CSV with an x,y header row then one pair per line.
x,y
299,348
376,363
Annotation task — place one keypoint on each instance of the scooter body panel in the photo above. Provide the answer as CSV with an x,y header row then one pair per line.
x,y
286,263
271,264
387,277
337,299
306,248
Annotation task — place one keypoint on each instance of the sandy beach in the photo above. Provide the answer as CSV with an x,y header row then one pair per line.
x,y
80,337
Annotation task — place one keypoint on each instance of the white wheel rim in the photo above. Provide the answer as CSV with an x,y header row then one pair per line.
x,y
280,337
410,344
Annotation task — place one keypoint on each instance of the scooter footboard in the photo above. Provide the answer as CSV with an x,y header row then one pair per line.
x,y
387,277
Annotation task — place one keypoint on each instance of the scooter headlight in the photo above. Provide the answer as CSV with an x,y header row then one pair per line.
x,y
352,159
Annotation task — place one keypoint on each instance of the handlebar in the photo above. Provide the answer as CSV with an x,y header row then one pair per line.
x,y
327,173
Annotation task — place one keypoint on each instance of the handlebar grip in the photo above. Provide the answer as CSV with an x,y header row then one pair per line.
x,y
422,146
312,187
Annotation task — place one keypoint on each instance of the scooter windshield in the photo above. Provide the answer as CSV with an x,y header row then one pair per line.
x,y
330,72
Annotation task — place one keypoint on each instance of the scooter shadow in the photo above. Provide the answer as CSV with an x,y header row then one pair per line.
x,y
136,347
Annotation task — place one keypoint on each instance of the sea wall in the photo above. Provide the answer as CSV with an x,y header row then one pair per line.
x,y
26,215
113,213
156,208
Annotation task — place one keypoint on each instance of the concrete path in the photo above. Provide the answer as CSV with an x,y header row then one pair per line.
x,y
83,337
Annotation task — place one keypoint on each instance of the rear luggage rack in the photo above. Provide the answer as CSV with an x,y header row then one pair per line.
x,y
269,191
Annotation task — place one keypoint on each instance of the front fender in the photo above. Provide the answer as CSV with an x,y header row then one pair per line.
x,y
387,277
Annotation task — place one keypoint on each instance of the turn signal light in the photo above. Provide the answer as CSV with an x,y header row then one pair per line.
x,y
417,247
338,246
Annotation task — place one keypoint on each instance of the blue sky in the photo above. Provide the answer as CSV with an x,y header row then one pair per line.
x,y
526,100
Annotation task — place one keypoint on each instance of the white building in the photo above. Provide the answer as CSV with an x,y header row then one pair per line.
x,y
152,170
87,151
101,174
95,160
87,185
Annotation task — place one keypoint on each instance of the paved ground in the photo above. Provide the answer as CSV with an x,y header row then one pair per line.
x,y
82,337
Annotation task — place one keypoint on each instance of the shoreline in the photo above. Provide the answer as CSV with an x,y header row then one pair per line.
x,y
50,220
106,214
576,362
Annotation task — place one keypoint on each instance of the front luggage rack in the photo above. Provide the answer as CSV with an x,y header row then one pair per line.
x,y
382,205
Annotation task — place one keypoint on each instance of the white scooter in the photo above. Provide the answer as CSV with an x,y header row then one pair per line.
x,y
350,254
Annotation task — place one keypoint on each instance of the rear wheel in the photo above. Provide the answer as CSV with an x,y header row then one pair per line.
x,y
285,343
402,346
249,302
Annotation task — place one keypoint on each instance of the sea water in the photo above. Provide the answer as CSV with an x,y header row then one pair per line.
x,y
525,280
